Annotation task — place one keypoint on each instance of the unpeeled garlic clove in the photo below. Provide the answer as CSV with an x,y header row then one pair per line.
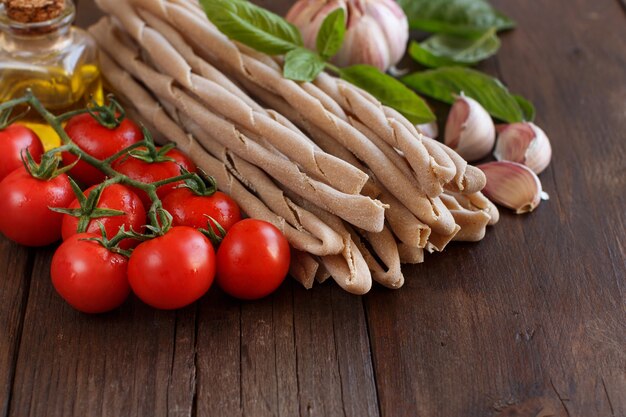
x,y
469,129
524,143
512,185
377,31
430,130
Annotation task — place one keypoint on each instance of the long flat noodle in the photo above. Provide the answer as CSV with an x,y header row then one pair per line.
x,y
358,210
473,223
216,46
390,152
430,175
250,204
478,202
349,269
403,223
389,273
322,139
469,179
437,242
231,105
197,65
322,274
334,147
432,170
303,268
410,254
270,193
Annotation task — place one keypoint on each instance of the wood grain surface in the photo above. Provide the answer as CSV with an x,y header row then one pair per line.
x,y
529,322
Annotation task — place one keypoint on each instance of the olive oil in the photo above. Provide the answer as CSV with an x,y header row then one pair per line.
x,y
55,60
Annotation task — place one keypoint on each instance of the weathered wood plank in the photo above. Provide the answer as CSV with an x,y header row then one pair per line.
x,y
531,320
295,353
120,363
15,264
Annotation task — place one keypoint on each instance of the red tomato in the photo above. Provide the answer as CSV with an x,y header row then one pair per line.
x,y
173,270
116,197
151,172
189,209
99,142
25,217
13,140
88,276
252,260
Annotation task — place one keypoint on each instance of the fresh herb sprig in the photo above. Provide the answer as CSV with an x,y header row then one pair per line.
x,y
267,32
465,33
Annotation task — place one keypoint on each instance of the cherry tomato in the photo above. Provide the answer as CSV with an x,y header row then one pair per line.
x,y
173,270
116,197
252,260
88,276
24,214
151,172
99,142
13,140
189,209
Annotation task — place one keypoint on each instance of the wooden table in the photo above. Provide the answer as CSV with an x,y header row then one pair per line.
x,y
529,322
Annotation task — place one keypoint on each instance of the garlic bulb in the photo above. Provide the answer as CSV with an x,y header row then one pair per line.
x,y
377,30
469,129
513,185
524,143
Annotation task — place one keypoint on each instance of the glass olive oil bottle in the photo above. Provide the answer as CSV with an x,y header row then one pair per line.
x,y
41,50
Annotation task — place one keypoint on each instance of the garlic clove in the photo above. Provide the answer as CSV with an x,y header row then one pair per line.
x,y
377,31
469,129
512,185
524,143
430,130
308,16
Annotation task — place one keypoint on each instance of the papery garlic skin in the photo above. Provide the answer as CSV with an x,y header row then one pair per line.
x,y
512,185
377,31
430,130
469,129
525,143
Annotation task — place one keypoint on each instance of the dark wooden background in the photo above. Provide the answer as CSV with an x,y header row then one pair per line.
x,y
530,322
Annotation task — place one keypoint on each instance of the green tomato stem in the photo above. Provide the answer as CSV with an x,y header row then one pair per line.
x,y
159,225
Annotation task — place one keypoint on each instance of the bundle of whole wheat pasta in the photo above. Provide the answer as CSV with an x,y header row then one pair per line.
x,y
353,185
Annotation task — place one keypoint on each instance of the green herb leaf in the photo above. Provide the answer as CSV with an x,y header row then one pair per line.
x,y
389,91
526,106
253,26
331,34
303,65
456,17
445,83
445,50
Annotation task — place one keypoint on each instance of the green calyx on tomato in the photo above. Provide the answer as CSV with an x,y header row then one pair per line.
x,y
202,185
112,244
109,116
215,237
150,153
88,209
47,169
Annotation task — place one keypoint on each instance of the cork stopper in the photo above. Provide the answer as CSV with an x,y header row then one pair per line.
x,y
33,11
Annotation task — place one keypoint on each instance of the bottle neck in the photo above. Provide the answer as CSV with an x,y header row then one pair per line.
x,y
28,38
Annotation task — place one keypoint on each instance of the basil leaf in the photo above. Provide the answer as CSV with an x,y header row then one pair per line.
x,y
303,65
331,34
389,91
253,26
445,83
456,17
445,50
526,106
